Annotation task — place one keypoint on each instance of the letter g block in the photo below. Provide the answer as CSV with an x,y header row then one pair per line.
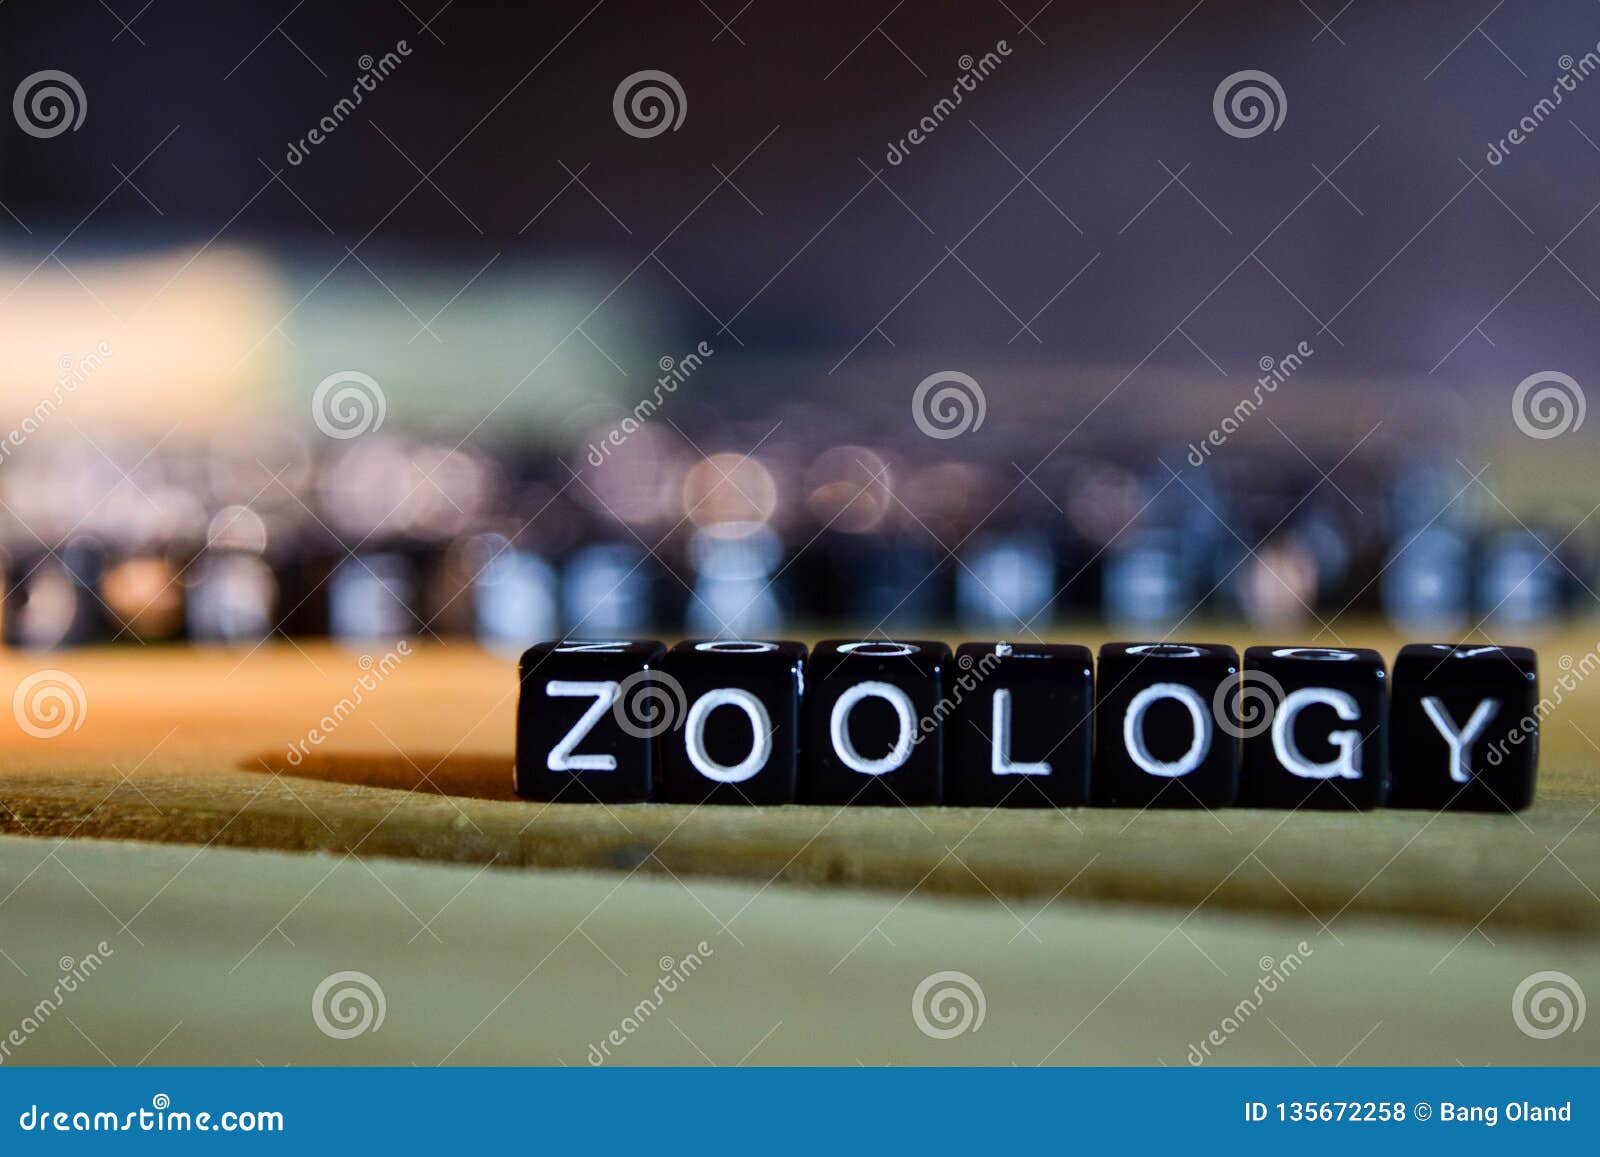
x,y
1315,726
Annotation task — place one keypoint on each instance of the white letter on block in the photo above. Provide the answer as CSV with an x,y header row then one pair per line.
x,y
695,735
1460,741
1000,743
1133,729
1347,764
839,727
561,757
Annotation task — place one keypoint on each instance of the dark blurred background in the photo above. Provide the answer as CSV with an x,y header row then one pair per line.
x,y
511,274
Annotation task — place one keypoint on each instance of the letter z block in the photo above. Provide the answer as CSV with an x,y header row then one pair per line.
x,y
589,717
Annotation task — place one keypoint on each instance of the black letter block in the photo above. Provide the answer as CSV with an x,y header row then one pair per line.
x,y
1314,725
1023,728
588,718
873,722
1157,743
1463,731
740,739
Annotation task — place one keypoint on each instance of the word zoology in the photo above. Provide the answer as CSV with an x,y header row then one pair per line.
x,y
891,722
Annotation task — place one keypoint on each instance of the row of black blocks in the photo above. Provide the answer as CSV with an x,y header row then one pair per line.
x,y
876,722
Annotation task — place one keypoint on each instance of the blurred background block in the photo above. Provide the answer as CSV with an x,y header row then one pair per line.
x,y
289,298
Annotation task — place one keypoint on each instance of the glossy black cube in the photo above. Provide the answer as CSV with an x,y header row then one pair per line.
x,y
1463,727
588,718
1157,743
873,731
740,741
1313,721
1022,733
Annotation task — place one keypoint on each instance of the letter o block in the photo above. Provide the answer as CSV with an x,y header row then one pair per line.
x,y
740,742
875,713
1157,738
